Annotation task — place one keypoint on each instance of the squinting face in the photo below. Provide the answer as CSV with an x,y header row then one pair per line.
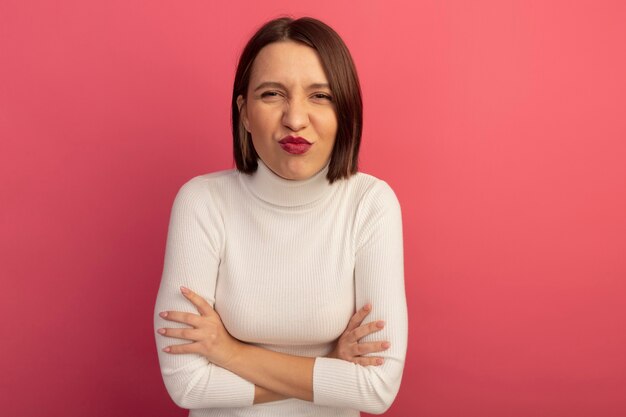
x,y
288,95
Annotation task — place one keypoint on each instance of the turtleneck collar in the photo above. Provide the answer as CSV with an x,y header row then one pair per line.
x,y
268,186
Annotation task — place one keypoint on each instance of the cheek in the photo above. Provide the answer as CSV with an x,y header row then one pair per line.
x,y
261,120
332,121
332,132
327,123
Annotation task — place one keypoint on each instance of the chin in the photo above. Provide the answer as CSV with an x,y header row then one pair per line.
x,y
296,171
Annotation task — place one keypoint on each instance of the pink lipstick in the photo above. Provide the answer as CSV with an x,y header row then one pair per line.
x,y
295,145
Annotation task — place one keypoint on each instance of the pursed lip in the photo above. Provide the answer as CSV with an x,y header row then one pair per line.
x,y
293,139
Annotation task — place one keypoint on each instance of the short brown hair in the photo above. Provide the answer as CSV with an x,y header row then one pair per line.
x,y
342,78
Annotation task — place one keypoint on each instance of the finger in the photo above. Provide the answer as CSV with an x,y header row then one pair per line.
x,y
181,317
358,317
369,328
201,304
370,347
188,334
184,348
369,360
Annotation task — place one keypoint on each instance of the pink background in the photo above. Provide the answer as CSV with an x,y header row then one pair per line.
x,y
501,125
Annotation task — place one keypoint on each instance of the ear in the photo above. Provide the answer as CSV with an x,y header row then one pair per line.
x,y
243,113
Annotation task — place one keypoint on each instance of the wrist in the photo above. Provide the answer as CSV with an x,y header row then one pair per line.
x,y
236,352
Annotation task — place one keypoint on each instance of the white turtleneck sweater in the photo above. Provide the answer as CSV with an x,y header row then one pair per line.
x,y
285,264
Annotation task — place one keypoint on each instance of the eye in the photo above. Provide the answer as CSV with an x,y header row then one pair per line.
x,y
323,96
270,94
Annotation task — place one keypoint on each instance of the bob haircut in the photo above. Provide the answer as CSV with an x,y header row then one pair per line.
x,y
342,78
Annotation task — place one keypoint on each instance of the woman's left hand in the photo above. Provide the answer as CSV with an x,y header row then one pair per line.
x,y
210,337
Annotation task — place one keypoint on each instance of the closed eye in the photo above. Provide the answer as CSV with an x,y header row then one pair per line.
x,y
323,96
269,94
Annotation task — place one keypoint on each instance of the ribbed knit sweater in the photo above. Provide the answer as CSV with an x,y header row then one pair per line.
x,y
285,264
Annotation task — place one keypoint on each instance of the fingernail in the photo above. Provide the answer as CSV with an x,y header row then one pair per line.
x,y
380,324
167,349
386,345
367,307
379,361
184,290
163,314
161,331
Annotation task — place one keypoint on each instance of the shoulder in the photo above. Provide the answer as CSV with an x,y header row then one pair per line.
x,y
205,189
372,191
378,212
208,183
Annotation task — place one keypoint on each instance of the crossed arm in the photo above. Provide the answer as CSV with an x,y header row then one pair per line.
x,y
276,375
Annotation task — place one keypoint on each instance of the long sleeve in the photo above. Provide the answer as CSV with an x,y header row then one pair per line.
x,y
192,256
379,279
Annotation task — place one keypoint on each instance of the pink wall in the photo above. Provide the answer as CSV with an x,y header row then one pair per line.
x,y
500,124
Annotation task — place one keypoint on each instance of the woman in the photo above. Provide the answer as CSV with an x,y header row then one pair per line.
x,y
276,255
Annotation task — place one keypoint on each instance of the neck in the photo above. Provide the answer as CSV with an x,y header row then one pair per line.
x,y
274,189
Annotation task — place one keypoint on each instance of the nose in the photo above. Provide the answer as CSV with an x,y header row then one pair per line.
x,y
295,115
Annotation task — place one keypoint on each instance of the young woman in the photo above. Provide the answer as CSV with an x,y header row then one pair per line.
x,y
266,264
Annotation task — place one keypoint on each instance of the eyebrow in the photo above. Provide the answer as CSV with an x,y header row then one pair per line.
x,y
279,85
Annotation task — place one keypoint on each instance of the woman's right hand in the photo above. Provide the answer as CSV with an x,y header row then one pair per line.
x,y
348,347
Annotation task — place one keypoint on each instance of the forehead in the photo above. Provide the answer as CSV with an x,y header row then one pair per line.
x,y
288,62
